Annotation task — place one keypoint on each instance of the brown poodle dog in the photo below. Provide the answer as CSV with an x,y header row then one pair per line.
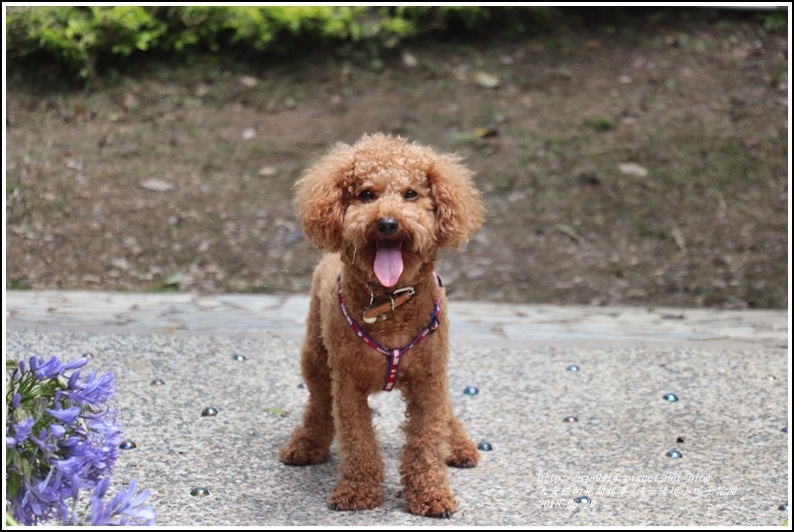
x,y
382,208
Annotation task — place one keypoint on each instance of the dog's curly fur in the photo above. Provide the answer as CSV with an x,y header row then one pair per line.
x,y
430,203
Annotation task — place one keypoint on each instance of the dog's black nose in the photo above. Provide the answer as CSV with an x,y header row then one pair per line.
x,y
388,226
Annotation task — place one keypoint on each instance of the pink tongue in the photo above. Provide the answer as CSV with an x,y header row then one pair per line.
x,y
388,262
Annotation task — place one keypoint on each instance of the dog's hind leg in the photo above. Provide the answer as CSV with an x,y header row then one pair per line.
x,y
310,443
462,452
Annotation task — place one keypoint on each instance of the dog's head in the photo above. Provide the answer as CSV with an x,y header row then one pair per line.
x,y
388,205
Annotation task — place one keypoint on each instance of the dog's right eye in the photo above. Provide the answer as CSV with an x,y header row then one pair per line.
x,y
366,196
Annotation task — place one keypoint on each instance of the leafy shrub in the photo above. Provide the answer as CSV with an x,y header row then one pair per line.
x,y
79,38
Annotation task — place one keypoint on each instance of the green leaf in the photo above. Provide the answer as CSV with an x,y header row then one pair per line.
x,y
14,481
10,521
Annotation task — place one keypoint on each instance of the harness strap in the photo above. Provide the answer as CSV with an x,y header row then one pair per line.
x,y
394,355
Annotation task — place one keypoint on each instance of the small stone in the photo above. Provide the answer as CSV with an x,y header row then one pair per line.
x,y
409,59
238,357
679,439
200,491
784,429
126,445
209,411
484,446
88,355
574,368
570,419
582,500
670,397
470,390
302,386
156,185
249,81
74,164
486,80
783,506
120,263
771,377
157,382
674,454
249,133
267,171
633,169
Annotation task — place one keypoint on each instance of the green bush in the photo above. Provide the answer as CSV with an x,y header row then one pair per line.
x,y
80,38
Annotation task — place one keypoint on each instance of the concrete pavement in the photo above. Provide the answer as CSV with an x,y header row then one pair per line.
x,y
729,369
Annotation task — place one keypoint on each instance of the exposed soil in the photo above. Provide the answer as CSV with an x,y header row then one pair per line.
x,y
638,164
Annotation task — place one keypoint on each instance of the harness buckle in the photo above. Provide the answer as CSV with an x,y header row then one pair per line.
x,y
434,325
409,293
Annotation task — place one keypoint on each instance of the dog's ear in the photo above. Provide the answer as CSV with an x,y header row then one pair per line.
x,y
322,197
459,211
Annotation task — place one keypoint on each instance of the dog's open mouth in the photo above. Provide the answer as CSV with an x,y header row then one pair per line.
x,y
388,261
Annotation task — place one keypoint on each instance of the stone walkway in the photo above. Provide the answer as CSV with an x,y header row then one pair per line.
x,y
730,370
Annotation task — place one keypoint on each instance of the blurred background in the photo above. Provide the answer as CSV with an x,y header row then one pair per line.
x,y
627,156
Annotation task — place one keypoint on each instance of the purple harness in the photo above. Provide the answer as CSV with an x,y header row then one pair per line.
x,y
395,355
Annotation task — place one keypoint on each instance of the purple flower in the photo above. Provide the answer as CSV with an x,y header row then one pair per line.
x,y
76,484
73,380
66,416
125,506
74,447
48,448
57,431
47,490
74,466
70,442
101,489
49,370
75,364
39,499
21,430
92,390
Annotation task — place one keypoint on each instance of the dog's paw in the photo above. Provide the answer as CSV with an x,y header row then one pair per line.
x,y
295,455
462,464
464,456
348,496
438,506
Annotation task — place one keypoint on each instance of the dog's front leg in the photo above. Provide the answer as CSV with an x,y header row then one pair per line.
x,y
310,443
361,466
423,468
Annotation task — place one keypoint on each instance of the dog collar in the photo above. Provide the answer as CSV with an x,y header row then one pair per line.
x,y
394,355
396,298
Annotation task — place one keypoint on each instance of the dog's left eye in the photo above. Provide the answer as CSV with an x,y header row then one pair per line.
x,y
411,195
366,196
